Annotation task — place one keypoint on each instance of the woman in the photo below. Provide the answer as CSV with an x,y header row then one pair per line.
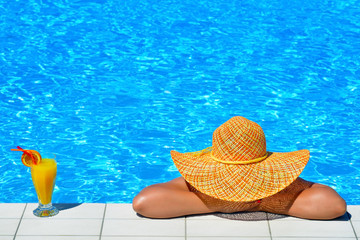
x,y
238,174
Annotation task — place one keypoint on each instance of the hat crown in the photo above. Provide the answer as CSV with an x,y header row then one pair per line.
x,y
238,140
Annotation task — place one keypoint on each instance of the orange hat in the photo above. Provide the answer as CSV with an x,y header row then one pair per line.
x,y
237,167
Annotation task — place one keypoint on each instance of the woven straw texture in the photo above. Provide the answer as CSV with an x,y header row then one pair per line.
x,y
236,142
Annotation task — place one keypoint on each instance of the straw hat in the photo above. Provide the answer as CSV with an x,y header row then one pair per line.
x,y
237,167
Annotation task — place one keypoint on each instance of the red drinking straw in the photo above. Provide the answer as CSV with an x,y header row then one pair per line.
x,y
26,152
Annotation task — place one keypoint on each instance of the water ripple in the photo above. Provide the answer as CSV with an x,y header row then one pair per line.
x,y
112,86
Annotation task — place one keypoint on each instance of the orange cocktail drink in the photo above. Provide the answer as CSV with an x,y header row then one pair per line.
x,y
43,176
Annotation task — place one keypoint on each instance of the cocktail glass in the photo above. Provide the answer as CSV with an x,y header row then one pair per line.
x,y
43,176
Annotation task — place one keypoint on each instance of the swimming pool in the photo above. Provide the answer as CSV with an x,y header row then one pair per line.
x,y
111,87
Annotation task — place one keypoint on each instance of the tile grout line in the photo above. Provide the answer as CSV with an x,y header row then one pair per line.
x,y
185,218
352,226
268,223
102,223
18,226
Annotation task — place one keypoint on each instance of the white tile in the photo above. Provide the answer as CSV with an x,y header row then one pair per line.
x,y
289,218
11,210
311,228
227,228
57,238
8,226
205,217
130,227
120,211
354,211
356,225
321,238
6,237
85,210
58,226
229,238
142,238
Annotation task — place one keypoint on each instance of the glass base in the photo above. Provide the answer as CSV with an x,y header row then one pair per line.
x,y
47,210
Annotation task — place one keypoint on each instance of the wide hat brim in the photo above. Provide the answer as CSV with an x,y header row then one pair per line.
x,y
241,182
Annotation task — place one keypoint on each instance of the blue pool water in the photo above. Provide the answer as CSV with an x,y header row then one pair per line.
x,y
111,87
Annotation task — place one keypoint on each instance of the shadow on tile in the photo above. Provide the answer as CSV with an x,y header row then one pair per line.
x,y
261,216
240,216
64,206
346,217
250,216
254,216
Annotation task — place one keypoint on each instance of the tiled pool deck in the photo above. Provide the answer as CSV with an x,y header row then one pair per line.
x,y
119,221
